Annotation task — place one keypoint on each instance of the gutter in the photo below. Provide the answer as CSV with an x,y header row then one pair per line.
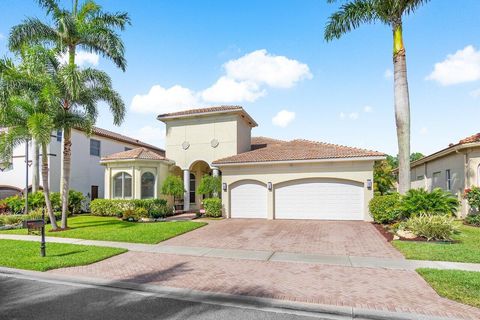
x,y
255,163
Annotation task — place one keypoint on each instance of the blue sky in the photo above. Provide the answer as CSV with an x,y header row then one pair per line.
x,y
270,57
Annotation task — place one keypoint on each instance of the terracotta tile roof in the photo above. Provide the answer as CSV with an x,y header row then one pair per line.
x,y
473,138
299,150
137,153
200,111
120,137
262,142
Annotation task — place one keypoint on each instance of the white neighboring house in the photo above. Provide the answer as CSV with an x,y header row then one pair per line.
x,y
87,174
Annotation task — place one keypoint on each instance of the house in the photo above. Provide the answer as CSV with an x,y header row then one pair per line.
x,y
453,169
87,174
261,177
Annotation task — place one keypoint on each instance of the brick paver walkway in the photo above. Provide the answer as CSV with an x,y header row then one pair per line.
x,y
342,238
369,288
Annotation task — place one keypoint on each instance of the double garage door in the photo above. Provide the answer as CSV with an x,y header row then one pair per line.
x,y
321,199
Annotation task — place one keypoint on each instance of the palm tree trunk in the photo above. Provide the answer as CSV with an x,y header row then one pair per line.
x,y
65,168
46,188
35,167
402,109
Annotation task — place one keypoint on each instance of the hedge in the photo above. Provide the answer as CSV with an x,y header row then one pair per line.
x,y
213,207
156,208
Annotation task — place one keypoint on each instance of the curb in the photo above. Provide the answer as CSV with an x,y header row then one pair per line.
x,y
231,300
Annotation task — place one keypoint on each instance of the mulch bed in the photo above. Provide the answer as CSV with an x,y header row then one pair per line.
x,y
389,236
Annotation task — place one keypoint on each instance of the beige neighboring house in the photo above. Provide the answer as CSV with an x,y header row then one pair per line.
x,y
261,177
454,169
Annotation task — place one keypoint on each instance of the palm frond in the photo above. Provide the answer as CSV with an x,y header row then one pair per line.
x,y
31,30
105,42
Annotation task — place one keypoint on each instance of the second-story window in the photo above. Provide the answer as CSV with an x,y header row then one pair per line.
x,y
59,135
94,147
448,179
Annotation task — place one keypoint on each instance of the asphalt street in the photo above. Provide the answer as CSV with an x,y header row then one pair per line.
x,y
33,299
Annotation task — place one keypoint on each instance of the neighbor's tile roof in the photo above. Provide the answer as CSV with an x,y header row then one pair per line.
x,y
262,142
137,153
120,137
200,111
473,138
298,150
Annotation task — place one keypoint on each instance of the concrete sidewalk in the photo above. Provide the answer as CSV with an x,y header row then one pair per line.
x,y
258,255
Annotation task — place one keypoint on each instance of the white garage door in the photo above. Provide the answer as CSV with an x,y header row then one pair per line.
x,y
249,200
317,199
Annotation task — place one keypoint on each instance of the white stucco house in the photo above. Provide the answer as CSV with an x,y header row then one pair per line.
x,y
453,169
87,174
261,177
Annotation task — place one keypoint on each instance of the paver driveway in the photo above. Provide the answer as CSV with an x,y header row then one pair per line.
x,y
344,238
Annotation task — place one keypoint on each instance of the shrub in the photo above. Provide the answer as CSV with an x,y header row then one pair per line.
x,y
3,208
473,220
15,204
36,200
155,208
75,201
421,202
431,227
12,219
385,209
141,212
213,207
473,197
173,186
130,215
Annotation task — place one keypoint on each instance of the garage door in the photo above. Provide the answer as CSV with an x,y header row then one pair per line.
x,y
319,199
248,200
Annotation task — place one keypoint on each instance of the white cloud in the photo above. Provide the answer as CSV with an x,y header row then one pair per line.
x,y
81,58
161,100
353,115
475,93
148,134
342,115
368,109
388,74
283,118
424,130
264,68
229,90
462,66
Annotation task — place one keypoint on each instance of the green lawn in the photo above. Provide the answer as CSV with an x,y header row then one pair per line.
x,y
466,250
26,255
461,286
113,229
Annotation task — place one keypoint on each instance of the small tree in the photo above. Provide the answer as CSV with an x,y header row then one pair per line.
x,y
210,186
173,186
383,177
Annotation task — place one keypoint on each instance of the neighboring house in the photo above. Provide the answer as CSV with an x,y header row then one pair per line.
x,y
261,177
87,174
454,169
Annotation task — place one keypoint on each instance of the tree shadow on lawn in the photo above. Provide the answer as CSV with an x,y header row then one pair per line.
x,y
21,299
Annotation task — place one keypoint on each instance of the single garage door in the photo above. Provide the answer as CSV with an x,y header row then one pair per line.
x,y
248,200
319,199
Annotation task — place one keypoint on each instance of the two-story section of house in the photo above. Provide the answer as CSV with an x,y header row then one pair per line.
x,y
87,174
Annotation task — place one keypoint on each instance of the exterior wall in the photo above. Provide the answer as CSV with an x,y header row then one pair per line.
x,y
15,175
359,171
136,168
199,132
244,136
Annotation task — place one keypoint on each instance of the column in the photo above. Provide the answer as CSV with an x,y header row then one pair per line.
x,y
215,172
186,193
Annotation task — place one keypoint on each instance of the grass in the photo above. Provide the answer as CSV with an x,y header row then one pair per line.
x,y
461,286
26,255
112,229
467,249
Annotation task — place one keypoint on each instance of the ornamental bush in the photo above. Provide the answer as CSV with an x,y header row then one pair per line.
x,y
431,227
385,209
473,197
155,208
213,207
15,204
421,202
473,219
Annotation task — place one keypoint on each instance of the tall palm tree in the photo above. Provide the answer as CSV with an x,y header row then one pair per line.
x,y
352,15
88,27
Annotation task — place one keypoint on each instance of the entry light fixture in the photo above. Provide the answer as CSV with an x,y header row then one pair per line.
x,y
369,184
269,186
224,186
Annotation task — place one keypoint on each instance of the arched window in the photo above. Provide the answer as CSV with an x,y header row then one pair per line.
x,y
192,188
148,185
122,185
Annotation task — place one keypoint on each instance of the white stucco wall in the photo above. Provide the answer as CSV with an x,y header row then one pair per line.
x,y
277,173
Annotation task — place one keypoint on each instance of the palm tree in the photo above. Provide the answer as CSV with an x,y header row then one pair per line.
x,y
390,12
26,111
86,26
